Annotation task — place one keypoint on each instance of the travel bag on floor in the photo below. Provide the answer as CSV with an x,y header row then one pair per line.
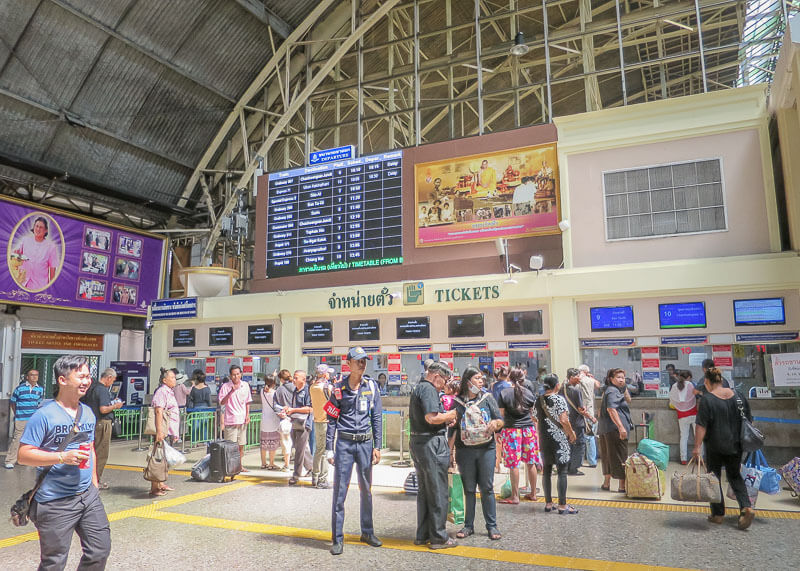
x,y
202,469
225,461
641,478
696,485
410,486
791,473
770,479
655,450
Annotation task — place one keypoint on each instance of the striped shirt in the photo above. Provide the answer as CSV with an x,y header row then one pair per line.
x,y
27,399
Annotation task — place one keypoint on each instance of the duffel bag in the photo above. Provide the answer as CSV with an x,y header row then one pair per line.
x,y
657,451
770,479
694,486
202,469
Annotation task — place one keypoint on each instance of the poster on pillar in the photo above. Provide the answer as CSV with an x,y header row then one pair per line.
x,y
61,260
651,368
501,194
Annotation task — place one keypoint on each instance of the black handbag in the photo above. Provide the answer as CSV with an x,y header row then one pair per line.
x,y
751,437
22,507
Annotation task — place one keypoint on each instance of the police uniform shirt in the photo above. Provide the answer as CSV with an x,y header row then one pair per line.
x,y
359,411
424,400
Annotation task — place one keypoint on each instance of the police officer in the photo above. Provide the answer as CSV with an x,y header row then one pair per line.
x,y
355,412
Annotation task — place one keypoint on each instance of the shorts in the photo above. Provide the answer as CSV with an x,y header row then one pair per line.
x,y
270,441
236,433
520,445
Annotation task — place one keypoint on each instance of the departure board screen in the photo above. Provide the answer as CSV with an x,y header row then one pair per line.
x,y
339,216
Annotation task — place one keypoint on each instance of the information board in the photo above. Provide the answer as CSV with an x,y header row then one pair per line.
x,y
338,216
220,336
183,338
682,315
259,334
413,328
364,330
766,311
612,318
318,331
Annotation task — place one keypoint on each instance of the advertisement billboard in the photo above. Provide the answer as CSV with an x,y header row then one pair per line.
x,y
57,259
502,194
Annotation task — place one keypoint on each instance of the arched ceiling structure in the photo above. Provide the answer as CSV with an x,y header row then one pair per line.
x,y
160,113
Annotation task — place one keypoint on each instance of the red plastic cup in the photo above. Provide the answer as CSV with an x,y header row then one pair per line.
x,y
85,447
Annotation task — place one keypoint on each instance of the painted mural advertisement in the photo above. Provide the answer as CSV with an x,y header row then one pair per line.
x,y
56,259
503,194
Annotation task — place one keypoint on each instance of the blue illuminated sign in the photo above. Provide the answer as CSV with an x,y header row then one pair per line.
x,y
682,315
330,155
612,318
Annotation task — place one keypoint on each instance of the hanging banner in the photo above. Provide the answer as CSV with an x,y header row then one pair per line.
x,y
57,259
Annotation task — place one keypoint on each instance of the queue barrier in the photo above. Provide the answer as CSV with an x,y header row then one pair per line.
x,y
253,431
127,420
199,426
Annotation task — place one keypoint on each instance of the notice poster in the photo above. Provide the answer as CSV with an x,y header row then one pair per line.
x,y
247,369
482,197
56,259
651,368
211,371
501,359
786,369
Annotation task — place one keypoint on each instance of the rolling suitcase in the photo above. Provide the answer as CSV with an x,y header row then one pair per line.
x,y
225,461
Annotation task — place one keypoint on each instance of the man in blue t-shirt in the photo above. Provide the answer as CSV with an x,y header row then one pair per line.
x,y
25,399
68,499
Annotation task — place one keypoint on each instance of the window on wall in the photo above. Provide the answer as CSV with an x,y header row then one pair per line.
x,y
664,200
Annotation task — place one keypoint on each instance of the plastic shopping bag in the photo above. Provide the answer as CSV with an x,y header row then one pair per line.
x,y
752,481
455,508
173,456
770,479
505,489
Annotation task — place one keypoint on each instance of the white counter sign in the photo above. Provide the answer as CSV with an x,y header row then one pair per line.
x,y
786,369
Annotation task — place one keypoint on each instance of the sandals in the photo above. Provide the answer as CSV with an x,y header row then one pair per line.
x,y
508,501
549,509
166,488
158,493
446,545
264,467
273,468
606,488
569,510
530,497
494,534
465,532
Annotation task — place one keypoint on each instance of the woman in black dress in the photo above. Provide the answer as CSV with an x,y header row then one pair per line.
x,y
719,425
556,435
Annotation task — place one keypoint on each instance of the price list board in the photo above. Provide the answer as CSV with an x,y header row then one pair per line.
x,y
339,216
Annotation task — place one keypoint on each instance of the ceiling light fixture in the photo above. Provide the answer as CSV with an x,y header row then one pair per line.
x,y
519,48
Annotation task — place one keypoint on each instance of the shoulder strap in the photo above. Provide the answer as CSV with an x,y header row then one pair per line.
x,y
569,400
547,412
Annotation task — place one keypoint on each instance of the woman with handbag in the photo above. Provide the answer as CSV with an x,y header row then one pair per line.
x,y
719,425
683,398
556,437
167,416
613,428
270,427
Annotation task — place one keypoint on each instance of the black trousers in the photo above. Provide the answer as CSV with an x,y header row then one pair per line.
x,y
577,450
476,466
431,457
732,464
561,483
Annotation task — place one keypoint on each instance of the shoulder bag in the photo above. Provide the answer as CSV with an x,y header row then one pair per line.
x,y
751,437
587,425
150,427
22,507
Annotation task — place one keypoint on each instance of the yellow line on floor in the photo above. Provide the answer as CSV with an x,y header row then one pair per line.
x,y
142,511
487,554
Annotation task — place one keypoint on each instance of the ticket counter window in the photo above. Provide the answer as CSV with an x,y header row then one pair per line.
x,y
752,367
262,366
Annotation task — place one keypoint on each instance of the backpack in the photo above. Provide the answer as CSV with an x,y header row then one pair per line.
x,y
474,427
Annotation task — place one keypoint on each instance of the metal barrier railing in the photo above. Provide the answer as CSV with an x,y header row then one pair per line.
x,y
199,426
128,419
253,431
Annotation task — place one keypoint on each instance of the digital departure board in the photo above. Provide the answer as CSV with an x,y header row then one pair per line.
x,y
220,336
338,216
318,331
413,327
765,311
619,318
364,330
682,315
183,338
257,334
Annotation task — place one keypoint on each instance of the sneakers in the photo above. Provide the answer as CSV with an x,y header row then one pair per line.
x,y
9,466
322,485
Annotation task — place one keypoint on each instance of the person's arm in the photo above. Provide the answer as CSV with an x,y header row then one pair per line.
x,y
627,395
13,402
623,432
32,456
699,436
567,427
224,400
95,480
247,413
376,419
190,399
440,417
